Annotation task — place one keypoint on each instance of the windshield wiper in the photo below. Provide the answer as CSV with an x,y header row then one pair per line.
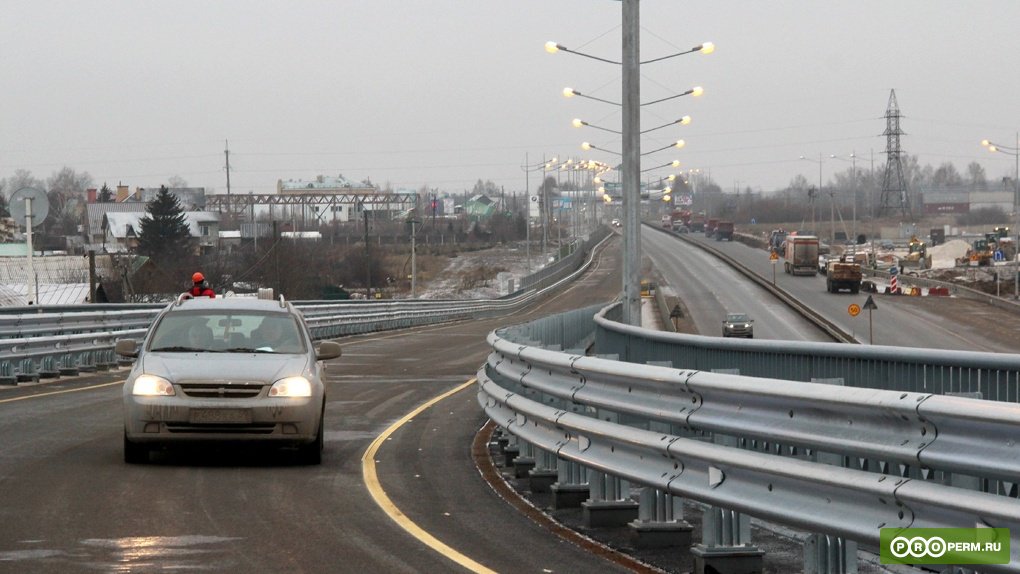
x,y
179,350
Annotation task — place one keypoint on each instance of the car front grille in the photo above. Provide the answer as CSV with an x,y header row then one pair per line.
x,y
221,390
220,428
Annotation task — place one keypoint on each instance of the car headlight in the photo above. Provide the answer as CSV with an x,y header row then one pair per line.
x,y
152,386
291,387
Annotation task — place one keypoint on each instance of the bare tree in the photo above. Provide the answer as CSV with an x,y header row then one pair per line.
x,y
976,175
176,181
66,192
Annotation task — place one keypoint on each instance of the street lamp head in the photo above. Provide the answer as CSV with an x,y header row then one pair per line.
x,y
992,148
802,157
697,91
986,143
685,120
679,144
586,146
578,122
605,196
675,163
666,198
552,47
672,177
706,48
569,92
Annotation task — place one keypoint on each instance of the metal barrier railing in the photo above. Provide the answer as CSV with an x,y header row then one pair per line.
x,y
39,342
827,459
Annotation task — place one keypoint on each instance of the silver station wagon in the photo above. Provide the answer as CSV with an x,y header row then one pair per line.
x,y
228,369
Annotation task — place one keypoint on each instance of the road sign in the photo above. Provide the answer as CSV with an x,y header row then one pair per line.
x,y
894,270
854,309
870,303
773,257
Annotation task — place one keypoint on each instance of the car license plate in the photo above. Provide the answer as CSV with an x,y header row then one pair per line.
x,y
237,416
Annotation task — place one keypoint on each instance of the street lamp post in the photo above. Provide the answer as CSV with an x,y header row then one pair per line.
x,y
527,212
630,172
1015,152
832,231
853,186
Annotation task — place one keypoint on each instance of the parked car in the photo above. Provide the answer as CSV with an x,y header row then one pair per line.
x,y
225,370
615,223
738,325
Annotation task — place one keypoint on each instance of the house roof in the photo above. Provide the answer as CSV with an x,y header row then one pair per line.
x,y
124,225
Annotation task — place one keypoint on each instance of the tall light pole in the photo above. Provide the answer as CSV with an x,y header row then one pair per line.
x,y
853,186
527,212
1015,152
832,231
630,172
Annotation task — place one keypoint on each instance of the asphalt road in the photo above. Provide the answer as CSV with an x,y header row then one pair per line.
x,y
950,323
69,504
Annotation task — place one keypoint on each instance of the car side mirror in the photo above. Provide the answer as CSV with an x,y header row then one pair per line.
x,y
328,350
126,348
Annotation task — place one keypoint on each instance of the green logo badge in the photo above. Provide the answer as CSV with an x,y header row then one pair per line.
x,y
958,546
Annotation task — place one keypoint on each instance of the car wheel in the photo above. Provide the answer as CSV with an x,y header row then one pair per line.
x,y
311,453
135,453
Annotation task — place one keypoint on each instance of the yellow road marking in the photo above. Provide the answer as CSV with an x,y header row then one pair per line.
x,y
26,397
375,489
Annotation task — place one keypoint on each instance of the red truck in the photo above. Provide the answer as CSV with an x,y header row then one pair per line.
x,y
710,227
724,230
698,223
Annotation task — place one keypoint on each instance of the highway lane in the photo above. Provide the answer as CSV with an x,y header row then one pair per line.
x,y
711,288
935,323
69,503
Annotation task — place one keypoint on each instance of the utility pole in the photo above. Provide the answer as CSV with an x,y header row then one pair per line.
x,y
414,268
230,206
368,256
630,178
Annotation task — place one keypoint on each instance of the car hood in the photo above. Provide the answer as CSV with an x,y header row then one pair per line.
x,y
234,367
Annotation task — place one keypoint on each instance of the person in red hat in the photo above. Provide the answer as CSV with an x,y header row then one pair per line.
x,y
200,288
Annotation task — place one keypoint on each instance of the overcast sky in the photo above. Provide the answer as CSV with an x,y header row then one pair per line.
x,y
443,93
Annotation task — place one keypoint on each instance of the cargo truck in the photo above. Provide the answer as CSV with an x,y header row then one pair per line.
x,y
801,255
843,273
710,227
724,230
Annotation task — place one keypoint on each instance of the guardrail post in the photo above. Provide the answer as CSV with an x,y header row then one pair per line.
x,y
542,477
660,522
7,374
609,502
525,460
48,368
571,486
26,372
825,554
726,544
510,450
68,366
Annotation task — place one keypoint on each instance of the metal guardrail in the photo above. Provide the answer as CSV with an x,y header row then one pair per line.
x,y
822,458
43,342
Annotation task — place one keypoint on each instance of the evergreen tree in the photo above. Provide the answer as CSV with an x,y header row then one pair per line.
x,y
105,194
164,234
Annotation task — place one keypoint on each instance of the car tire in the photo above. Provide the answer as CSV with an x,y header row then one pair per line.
x,y
311,453
135,453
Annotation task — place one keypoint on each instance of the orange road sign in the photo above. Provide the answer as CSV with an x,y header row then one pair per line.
x,y
854,309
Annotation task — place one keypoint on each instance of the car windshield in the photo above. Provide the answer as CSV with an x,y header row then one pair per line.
x,y
737,318
227,332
